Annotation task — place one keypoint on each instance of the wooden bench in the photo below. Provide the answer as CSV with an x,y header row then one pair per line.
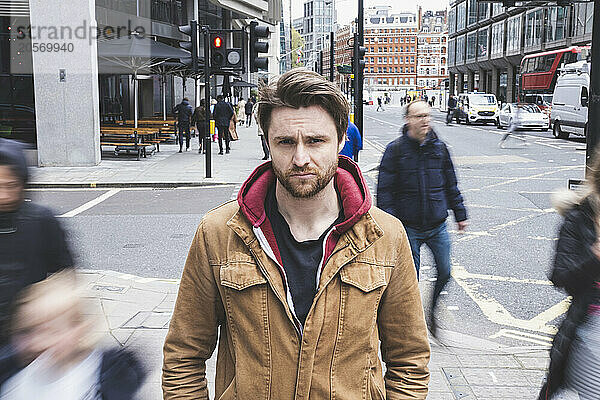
x,y
127,139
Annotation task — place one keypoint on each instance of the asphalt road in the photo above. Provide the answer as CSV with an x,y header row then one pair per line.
x,y
500,290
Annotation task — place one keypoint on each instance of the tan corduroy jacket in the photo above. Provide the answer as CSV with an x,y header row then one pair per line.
x,y
367,292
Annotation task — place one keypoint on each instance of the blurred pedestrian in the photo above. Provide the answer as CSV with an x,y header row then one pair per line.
x,y
452,103
222,114
261,134
575,353
241,109
513,126
184,113
301,278
32,242
433,101
199,120
353,142
249,108
417,184
55,354
379,104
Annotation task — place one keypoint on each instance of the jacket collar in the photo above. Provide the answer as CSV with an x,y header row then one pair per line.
x,y
431,137
349,183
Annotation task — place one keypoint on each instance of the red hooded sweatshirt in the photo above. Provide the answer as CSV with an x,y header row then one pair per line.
x,y
351,189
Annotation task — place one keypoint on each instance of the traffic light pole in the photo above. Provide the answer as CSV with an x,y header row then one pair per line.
x,y
359,72
331,55
594,97
207,139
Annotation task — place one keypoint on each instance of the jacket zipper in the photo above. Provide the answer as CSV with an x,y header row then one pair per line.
x,y
264,244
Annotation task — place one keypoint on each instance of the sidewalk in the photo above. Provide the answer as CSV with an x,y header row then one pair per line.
x,y
169,168
135,312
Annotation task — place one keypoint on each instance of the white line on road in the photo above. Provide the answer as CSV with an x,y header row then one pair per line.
x,y
90,204
494,379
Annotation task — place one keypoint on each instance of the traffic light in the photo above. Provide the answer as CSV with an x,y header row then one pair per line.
x,y
218,53
256,46
191,45
358,62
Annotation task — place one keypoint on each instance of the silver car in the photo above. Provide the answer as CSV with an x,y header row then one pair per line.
x,y
522,116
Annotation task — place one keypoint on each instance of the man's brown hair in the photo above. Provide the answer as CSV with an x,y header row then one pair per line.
x,y
300,87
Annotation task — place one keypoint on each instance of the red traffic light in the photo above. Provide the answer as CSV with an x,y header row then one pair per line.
x,y
217,42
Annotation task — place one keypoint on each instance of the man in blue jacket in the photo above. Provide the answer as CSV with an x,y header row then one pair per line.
x,y
417,185
353,142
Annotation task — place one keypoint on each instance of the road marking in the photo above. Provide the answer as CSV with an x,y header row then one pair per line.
x,y
462,273
525,336
386,122
90,204
376,145
497,313
494,379
452,308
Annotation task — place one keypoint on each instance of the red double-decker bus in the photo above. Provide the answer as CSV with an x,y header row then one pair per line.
x,y
539,71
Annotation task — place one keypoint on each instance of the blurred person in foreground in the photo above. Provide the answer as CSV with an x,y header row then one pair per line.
x,y
417,184
575,353
302,277
32,242
54,353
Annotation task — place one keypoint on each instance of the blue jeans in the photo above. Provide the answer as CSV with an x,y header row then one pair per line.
x,y
438,241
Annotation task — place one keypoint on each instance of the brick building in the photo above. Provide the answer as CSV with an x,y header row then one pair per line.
x,y
391,42
343,52
432,67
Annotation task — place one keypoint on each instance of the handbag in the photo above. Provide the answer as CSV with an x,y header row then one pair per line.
x,y
232,132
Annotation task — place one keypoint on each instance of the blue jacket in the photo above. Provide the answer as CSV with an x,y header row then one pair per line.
x,y
417,183
353,141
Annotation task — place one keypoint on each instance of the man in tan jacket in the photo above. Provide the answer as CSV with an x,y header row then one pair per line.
x,y
301,277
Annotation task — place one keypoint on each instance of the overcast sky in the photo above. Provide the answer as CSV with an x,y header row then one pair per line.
x,y
347,9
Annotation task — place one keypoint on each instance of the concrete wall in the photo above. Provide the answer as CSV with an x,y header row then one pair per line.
x,y
67,112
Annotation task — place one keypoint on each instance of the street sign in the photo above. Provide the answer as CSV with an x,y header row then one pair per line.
x,y
576,184
344,69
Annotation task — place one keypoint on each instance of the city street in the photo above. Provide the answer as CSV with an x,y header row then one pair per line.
x,y
500,290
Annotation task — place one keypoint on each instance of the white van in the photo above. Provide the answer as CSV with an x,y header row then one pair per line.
x,y
477,107
570,100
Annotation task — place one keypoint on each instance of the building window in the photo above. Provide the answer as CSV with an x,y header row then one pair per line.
x,y
513,35
471,46
497,39
482,43
472,10
583,14
497,9
483,11
412,69
557,23
461,16
460,49
533,27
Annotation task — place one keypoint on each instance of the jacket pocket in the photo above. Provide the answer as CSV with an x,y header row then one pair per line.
x,y
362,287
240,275
364,276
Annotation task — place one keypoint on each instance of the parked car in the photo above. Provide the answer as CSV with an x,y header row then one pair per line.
x,y
570,100
523,116
477,107
543,101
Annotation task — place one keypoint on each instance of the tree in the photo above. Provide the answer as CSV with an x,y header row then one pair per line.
x,y
297,44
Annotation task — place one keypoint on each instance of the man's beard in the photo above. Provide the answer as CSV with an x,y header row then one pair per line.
x,y
309,188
